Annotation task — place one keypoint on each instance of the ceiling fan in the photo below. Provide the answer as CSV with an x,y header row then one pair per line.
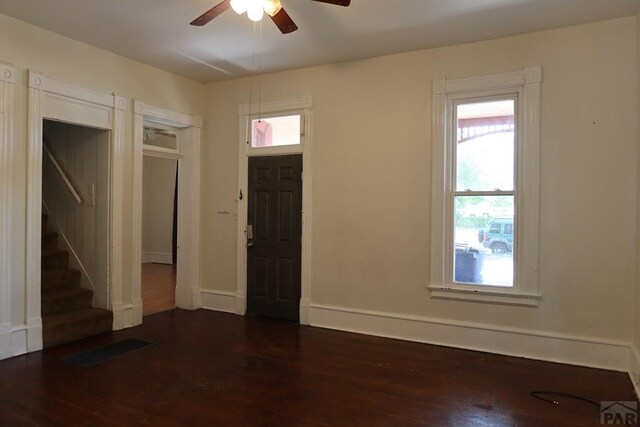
x,y
256,9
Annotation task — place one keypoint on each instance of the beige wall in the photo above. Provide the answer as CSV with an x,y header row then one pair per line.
x,y
371,188
158,189
27,46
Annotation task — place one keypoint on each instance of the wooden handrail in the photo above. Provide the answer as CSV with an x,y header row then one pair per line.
x,y
63,175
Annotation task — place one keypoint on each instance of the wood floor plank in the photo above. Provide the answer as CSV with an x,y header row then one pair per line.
x,y
215,369
158,288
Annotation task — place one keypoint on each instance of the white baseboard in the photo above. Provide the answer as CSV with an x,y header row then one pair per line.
x,y
241,303
5,341
157,257
14,339
305,311
530,344
18,342
634,369
122,316
34,334
218,301
137,312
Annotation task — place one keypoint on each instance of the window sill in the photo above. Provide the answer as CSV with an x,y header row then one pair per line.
x,y
454,292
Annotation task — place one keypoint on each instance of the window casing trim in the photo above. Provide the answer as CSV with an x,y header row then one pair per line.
x,y
526,86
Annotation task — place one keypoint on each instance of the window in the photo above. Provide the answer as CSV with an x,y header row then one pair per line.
x,y
161,139
276,131
485,194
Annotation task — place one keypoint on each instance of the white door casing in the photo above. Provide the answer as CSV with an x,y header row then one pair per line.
x,y
303,106
55,100
188,294
7,82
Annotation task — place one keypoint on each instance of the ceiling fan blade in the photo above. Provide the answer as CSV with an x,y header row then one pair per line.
x,y
216,10
344,3
284,22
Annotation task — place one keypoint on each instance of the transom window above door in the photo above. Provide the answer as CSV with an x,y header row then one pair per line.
x,y
276,131
161,138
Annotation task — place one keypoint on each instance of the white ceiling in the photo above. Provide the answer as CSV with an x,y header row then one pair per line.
x,y
157,32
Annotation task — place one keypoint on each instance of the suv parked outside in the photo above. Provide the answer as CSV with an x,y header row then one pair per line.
x,y
497,235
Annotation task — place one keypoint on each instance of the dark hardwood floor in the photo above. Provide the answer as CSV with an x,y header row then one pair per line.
x,y
215,369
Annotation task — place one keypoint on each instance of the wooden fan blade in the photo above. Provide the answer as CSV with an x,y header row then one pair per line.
x,y
344,3
216,10
284,22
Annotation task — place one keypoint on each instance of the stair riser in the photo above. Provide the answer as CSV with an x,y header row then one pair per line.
x,y
60,334
65,305
55,261
70,280
49,243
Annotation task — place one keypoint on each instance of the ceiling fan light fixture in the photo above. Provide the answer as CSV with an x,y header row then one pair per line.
x,y
272,7
255,10
239,6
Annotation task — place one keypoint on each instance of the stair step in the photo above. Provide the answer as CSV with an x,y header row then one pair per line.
x,y
60,278
54,260
64,328
60,301
49,240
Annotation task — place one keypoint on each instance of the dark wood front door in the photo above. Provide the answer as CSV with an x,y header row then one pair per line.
x,y
274,237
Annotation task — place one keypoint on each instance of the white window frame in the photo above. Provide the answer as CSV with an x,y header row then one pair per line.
x,y
526,85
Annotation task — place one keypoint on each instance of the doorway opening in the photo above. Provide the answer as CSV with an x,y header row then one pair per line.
x,y
75,232
159,220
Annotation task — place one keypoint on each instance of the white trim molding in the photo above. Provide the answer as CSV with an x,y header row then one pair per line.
x,y
52,99
304,106
524,87
219,301
551,347
188,294
7,83
634,369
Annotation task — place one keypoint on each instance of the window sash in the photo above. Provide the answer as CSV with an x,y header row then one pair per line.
x,y
527,84
451,167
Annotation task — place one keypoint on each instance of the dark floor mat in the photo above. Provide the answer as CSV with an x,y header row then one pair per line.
x,y
107,352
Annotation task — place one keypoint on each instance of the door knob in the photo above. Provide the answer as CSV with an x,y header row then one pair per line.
x,y
249,244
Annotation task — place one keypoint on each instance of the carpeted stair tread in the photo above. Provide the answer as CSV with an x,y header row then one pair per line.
x,y
59,301
60,278
66,309
75,325
54,259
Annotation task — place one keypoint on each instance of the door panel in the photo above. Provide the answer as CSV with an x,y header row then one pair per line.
x,y
274,252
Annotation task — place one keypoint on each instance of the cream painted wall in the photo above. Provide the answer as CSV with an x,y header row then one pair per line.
x,y
372,156
158,189
27,46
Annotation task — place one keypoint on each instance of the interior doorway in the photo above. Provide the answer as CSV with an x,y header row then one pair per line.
x,y
274,237
159,220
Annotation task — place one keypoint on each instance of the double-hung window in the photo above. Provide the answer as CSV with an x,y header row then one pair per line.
x,y
485,195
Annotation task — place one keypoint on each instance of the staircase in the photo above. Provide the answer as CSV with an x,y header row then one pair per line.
x,y
67,314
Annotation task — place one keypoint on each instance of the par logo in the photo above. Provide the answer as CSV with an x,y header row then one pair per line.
x,y
619,413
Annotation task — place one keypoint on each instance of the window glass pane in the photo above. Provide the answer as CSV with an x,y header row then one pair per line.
x,y
485,142
484,240
162,138
275,131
